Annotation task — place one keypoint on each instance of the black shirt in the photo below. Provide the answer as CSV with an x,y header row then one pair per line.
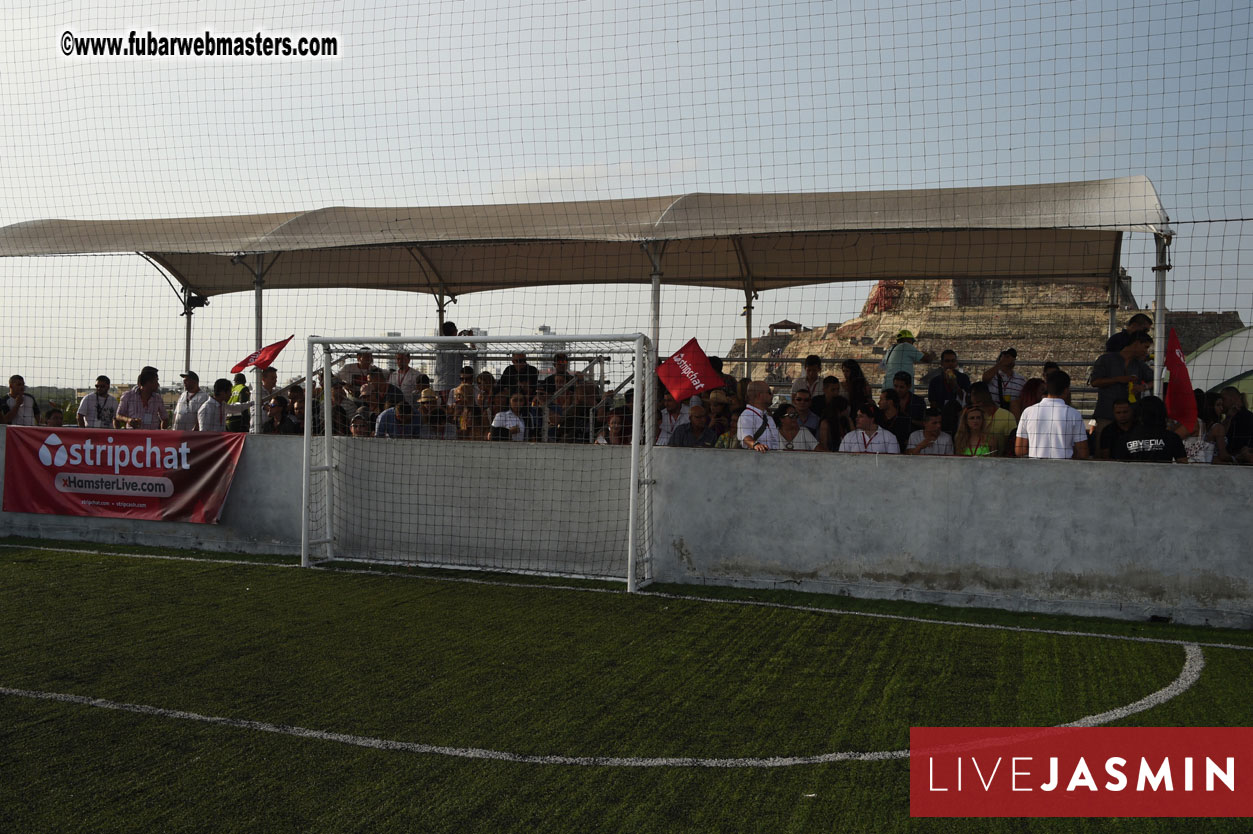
x,y
1152,445
1240,431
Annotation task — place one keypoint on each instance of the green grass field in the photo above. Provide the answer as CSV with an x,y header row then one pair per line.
x,y
523,668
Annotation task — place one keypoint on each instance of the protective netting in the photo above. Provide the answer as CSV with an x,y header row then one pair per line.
x,y
454,104
506,454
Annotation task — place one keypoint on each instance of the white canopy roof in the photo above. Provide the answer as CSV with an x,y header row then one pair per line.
x,y
1051,232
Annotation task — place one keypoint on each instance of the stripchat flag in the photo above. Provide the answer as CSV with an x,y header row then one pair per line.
x,y
1180,401
263,358
688,372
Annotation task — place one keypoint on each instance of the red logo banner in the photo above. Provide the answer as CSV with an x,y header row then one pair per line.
x,y
155,475
264,357
688,372
1180,400
1081,772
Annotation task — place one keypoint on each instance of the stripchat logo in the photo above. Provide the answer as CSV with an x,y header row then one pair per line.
x,y
53,453
147,455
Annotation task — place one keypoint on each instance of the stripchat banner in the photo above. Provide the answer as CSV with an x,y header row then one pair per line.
x,y
154,475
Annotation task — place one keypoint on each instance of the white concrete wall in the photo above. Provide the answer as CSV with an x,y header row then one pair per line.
x,y
1122,540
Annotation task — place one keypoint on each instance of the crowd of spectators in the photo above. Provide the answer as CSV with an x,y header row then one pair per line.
x,y
1003,414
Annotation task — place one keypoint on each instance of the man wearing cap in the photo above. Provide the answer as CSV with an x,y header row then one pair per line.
x,y
811,382
360,425
1121,374
355,375
237,413
187,409
428,401
1004,383
719,411
902,356
756,429
1139,323
212,413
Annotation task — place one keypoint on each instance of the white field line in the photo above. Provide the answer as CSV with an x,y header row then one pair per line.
x,y
810,609
1193,664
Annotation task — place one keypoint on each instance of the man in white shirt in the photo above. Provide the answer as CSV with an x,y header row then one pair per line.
x,y
869,437
1051,428
811,382
187,409
404,377
756,428
1004,383
510,420
98,408
673,415
930,439
212,413
355,374
20,408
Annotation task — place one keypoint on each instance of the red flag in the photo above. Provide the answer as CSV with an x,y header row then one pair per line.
x,y
263,358
688,372
1180,401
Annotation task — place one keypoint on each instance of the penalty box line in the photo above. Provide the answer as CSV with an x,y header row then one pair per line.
x,y
809,609
1194,663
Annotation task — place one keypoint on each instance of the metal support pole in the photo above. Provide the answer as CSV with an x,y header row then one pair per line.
x,y
440,303
1113,305
748,332
648,379
187,310
636,453
1159,319
328,442
306,487
258,281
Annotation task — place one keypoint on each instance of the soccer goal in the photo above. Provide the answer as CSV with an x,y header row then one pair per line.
x,y
472,452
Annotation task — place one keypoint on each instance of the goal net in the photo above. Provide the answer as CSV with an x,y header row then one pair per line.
x,y
501,453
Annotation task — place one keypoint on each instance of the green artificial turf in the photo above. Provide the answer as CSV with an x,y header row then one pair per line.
x,y
518,668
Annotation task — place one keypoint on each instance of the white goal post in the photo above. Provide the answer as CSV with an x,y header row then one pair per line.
x,y
535,470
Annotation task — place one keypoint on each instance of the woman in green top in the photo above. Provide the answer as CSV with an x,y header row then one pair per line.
x,y
972,438
728,439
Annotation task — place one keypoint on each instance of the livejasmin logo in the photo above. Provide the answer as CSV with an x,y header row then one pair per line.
x,y
1023,776
1080,772
147,455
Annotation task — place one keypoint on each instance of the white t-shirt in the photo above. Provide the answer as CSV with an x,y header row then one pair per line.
x,y
943,444
750,422
212,416
187,408
803,442
507,420
98,411
882,442
670,422
25,412
1051,429
406,381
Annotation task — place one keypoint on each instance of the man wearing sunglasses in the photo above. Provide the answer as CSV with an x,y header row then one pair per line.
x,y
98,408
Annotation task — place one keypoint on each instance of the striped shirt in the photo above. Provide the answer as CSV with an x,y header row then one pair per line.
x,y
132,405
